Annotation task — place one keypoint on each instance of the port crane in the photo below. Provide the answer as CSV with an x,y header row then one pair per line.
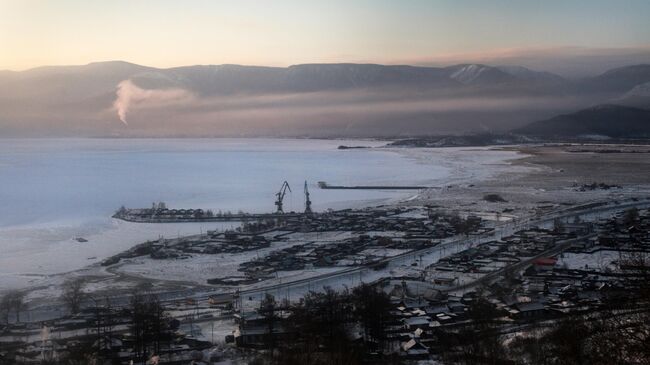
x,y
280,194
307,200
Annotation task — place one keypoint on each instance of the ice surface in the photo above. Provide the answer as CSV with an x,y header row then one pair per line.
x,y
54,190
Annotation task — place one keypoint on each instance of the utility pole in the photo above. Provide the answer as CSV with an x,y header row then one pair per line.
x,y
99,324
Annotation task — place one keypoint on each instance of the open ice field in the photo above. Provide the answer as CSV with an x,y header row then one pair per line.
x,y
54,190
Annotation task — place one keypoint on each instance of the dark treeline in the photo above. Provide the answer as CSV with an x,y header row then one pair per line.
x,y
329,327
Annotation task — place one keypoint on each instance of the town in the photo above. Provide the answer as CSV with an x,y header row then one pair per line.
x,y
325,182
430,267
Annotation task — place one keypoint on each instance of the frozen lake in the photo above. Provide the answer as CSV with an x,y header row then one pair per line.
x,y
60,181
56,189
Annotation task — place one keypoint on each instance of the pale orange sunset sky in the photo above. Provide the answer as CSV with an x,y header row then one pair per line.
x,y
172,33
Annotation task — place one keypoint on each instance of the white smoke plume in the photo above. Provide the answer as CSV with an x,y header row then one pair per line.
x,y
129,94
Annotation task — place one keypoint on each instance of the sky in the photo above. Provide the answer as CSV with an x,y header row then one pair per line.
x,y
164,33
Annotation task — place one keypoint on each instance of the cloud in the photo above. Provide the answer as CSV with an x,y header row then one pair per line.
x,y
128,95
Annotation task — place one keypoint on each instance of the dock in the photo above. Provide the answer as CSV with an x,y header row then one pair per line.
x,y
324,185
164,215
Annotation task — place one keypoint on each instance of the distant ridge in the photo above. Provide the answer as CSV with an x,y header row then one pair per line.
x,y
611,121
617,80
233,79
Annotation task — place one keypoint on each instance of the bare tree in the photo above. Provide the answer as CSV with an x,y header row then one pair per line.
x,y
268,310
12,301
150,325
371,308
5,307
631,216
73,294
18,304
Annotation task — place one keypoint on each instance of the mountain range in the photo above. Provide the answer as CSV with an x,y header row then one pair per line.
x,y
328,100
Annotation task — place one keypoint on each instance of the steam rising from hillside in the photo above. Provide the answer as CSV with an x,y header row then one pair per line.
x,y
129,94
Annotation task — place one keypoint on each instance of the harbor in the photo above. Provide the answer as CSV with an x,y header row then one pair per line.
x,y
160,213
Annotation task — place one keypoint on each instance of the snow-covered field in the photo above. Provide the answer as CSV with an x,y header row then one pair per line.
x,y
57,190
598,261
198,268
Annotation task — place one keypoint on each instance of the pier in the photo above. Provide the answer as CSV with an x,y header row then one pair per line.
x,y
192,215
324,185
159,213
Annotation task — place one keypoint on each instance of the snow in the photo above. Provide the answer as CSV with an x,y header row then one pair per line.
x,y
598,260
35,254
382,252
30,256
492,216
216,331
468,73
639,90
57,189
198,268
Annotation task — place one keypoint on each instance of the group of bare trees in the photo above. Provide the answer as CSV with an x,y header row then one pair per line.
x,y
148,320
327,327
12,302
150,325
73,294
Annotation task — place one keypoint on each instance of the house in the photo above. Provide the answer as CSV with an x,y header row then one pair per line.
x,y
456,307
258,336
413,323
225,300
415,350
531,310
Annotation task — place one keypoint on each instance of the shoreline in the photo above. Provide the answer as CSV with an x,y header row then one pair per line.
x,y
400,200
525,180
49,281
